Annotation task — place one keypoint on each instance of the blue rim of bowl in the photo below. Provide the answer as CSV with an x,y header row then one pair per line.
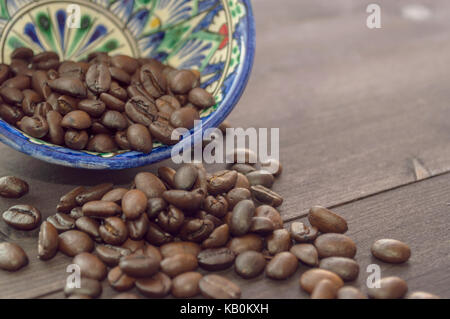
x,y
8,133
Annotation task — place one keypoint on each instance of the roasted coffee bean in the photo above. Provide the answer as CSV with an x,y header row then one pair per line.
x,y
218,238
245,243
182,81
346,268
94,108
157,286
61,222
150,184
112,102
29,102
325,289
155,206
64,104
23,217
12,257
221,182
137,228
242,156
162,131
102,143
167,175
388,288
134,203
306,253
70,86
10,114
249,264
136,89
260,177
134,245
42,109
141,110
278,241
180,247
273,166
391,251
157,236
152,79
171,219
93,193
101,209
312,277
89,226
327,221
216,259
48,241
111,255
46,64
201,98
117,91
178,264
186,285
262,226
241,219
4,72
67,202
22,53
185,177
186,200
266,196
196,230
20,82
349,292
236,195
13,187
119,75
74,242
11,95
98,78
243,168
335,245
114,120
302,233
76,140
139,138
18,66
71,69
88,286
113,231
139,265
271,213
184,117
217,206
218,287
90,266
121,140
35,126
126,63
52,74
39,83
115,195
422,295
119,280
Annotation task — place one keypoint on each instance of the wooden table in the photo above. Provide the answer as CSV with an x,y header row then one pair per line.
x,y
364,118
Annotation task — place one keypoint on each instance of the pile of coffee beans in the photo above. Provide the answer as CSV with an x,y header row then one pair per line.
x,y
103,104
157,233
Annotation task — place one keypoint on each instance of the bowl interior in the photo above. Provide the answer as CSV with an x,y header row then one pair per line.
x,y
215,37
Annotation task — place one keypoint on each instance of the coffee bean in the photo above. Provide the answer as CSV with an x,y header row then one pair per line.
x,y
76,140
13,187
278,241
157,286
312,277
216,259
221,182
55,130
185,177
119,280
113,231
94,108
155,206
35,126
186,200
150,184
335,245
178,264
236,195
88,286
217,206
23,217
260,177
101,209
302,233
134,203
111,255
102,143
241,218
74,242
12,257
126,63
196,230
157,236
152,79
121,140
98,78
48,241
325,289
90,266
135,246
186,285
20,82
4,72
89,226
201,98
273,166
11,95
67,202
326,221
282,265
167,175
218,238
64,104
114,120
218,287
126,295
391,251
70,86
117,91
29,102
42,109
388,288
271,213
182,81
93,193
422,295
346,268
139,138
184,117
162,131
262,226
22,53
245,243
76,213
180,247
243,168
10,114
61,222
266,196
153,252
349,292
171,219
141,110
139,265
137,228
249,264
306,253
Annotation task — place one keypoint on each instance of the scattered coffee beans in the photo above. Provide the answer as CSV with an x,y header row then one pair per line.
x,y
391,251
23,217
12,257
13,187
327,221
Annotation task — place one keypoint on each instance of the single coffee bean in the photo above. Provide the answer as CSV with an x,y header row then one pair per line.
x,y
150,184
55,130
185,177
64,104
157,286
216,258
278,241
273,166
218,238
67,202
119,75
302,233
312,277
335,245
182,81
186,285
11,95
134,203
327,221
88,286
139,265
137,228
42,109
186,200
13,187
12,257
260,177
155,206
221,182
325,289
282,265
74,242
388,288
29,102
10,114
196,230
243,168
167,175
135,245
391,251
111,255
153,252
114,120
70,86
157,236
180,247
113,103
90,266
346,268
22,53
422,295
218,287
162,131
141,110
98,78
262,226
35,126
216,206
93,193
4,72
23,217
139,138
119,280
236,195
113,231
171,219
89,226
48,241
271,213
76,140
102,143
201,98
266,196
117,91
349,292
20,82
62,222
241,219
245,243
126,63
101,209
249,264
306,253
152,79
178,264
121,139
184,117
70,69
94,108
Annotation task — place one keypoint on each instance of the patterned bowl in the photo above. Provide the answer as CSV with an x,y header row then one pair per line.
x,y
217,37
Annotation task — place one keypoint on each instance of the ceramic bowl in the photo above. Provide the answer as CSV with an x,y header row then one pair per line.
x,y
216,37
